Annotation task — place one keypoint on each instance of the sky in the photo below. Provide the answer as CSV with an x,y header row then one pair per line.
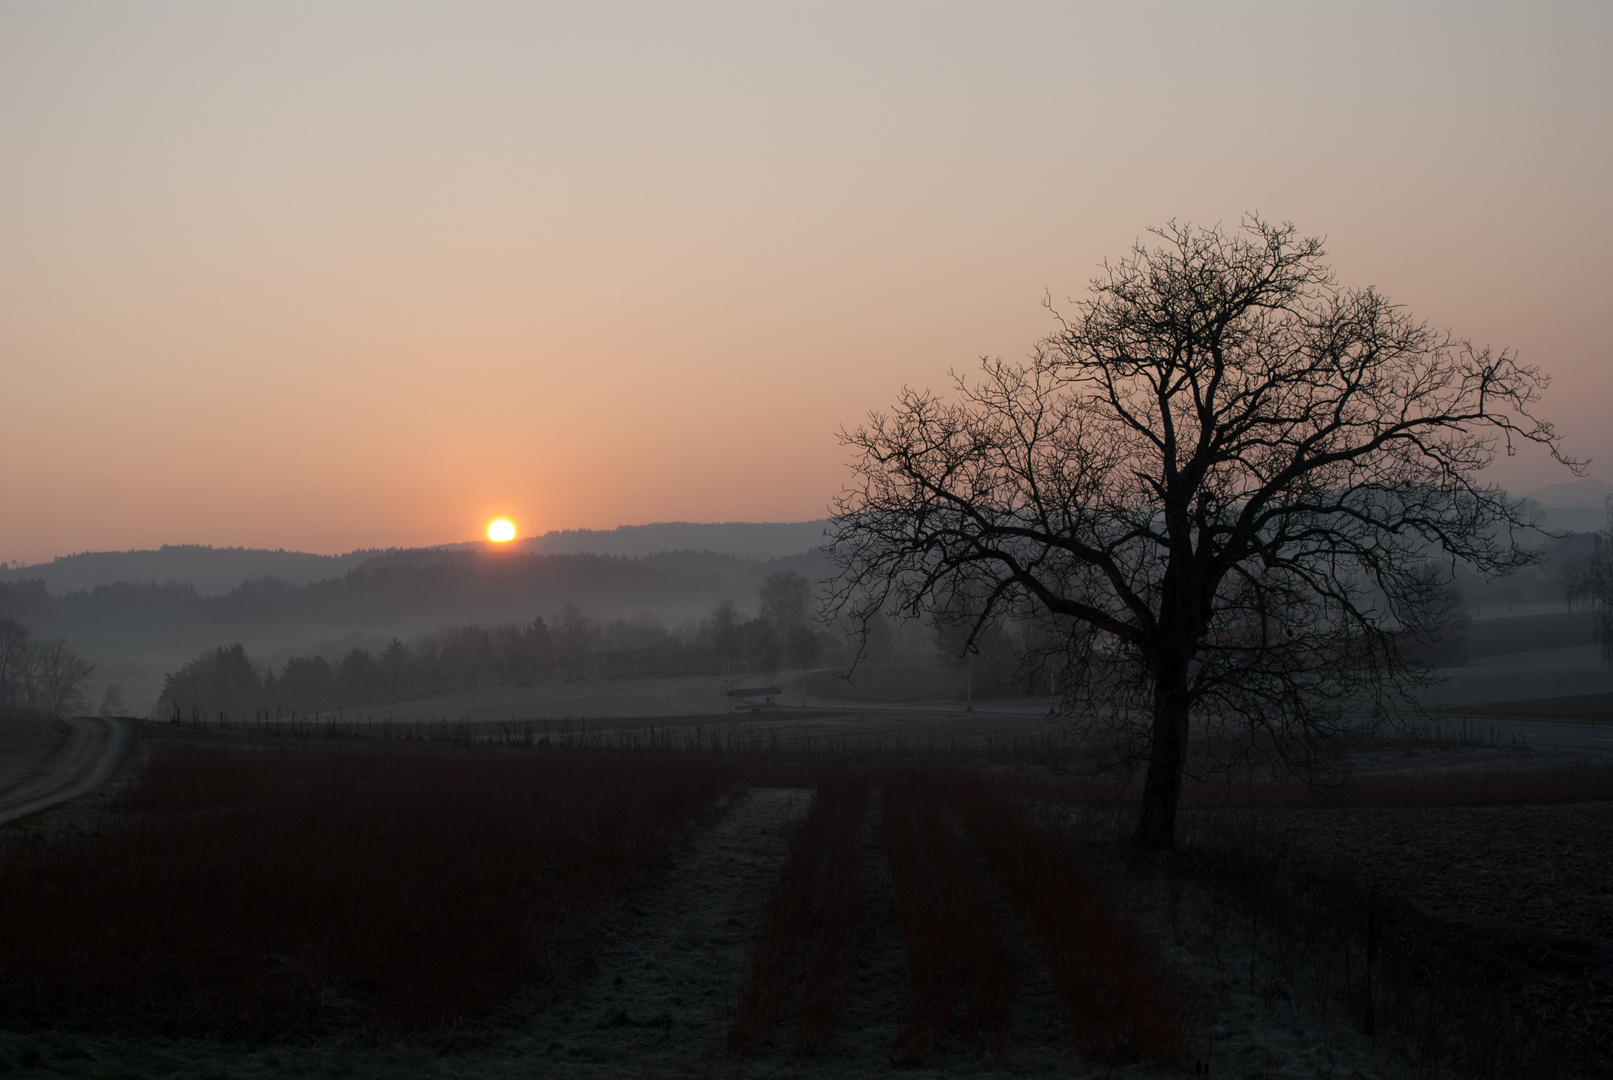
x,y
330,275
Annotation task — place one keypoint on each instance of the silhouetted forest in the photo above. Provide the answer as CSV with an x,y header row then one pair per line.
x,y
569,645
394,588
43,676
213,571
216,570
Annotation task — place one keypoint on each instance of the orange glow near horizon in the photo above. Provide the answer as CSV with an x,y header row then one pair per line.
x,y
388,267
501,531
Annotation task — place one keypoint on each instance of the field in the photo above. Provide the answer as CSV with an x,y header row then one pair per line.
x,y
1524,676
26,740
888,684
829,894
555,700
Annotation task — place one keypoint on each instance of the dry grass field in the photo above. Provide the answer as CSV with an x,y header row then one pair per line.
x,y
554,700
848,895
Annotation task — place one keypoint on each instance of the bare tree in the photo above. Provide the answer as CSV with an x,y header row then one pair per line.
x,y
803,646
111,701
59,677
1235,488
540,644
574,637
47,676
13,657
787,607
725,632
1591,582
785,599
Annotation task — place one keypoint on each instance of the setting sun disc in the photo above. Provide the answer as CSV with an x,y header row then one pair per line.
x,y
501,531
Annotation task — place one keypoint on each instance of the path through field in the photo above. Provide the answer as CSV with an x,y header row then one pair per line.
x,y
85,761
661,992
661,995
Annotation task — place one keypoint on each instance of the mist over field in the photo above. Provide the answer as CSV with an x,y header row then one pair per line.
x,y
215,571
827,541
141,615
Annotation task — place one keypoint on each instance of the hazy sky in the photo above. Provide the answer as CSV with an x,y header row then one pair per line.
x,y
331,275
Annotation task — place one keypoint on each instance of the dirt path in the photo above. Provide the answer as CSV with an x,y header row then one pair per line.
x,y
661,984
660,999
85,761
661,993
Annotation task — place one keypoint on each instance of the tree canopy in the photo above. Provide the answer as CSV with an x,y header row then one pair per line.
x,y
1232,489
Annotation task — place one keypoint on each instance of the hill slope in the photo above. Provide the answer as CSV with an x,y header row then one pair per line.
x,y
216,571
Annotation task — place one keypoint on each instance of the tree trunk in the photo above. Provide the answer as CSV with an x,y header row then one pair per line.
x,y
1156,823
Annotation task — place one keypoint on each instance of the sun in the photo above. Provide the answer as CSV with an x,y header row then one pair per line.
x,y
501,532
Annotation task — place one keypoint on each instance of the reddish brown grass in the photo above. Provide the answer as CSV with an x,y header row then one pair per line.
x,y
1120,1003
821,879
251,893
776,947
828,965
957,951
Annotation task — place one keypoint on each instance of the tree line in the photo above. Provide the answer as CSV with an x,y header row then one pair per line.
x,y
393,588
44,675
570,645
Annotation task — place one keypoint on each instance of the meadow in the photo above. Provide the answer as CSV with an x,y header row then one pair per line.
x,y
598,699
839,899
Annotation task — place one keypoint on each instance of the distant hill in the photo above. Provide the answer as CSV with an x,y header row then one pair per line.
x,y
216,571
1577,506
210,571
137,633
742,539
1576,493
403,588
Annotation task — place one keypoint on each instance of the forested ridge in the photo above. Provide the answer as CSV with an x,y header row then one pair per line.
x,y
571,645
389,588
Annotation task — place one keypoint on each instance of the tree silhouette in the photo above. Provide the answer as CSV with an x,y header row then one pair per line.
x,y
1591,582
1236,490
786,607
223,680
724,624
14,642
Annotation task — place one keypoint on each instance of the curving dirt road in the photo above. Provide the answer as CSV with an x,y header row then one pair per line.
x,y
85,761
